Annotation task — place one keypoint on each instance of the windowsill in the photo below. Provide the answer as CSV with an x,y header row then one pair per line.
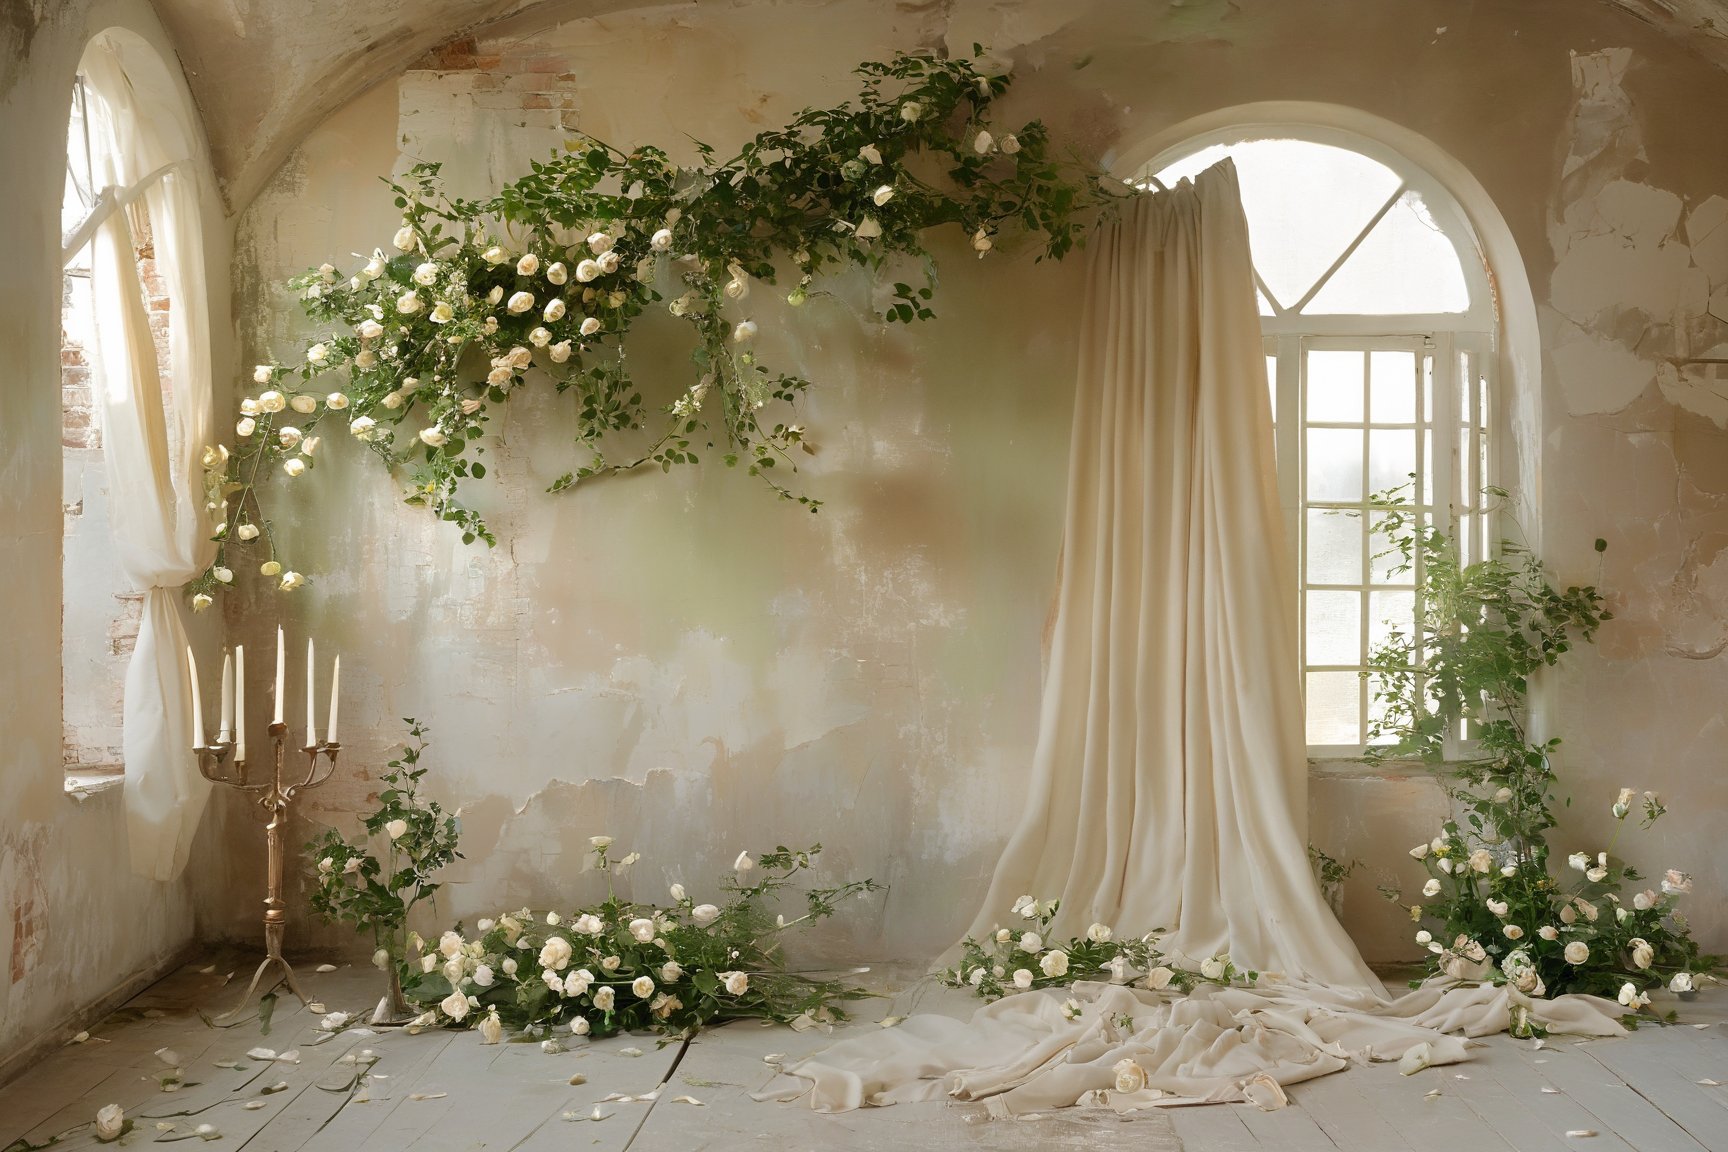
x,y
1356,768
81,786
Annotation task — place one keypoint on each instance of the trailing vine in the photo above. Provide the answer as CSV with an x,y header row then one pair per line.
x,y
473,300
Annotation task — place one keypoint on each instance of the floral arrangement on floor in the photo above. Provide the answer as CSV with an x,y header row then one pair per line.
x,y
472,299
1454,693
1010,961
626,966
351,884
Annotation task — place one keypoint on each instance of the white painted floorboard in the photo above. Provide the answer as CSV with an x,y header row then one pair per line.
x,y
446,1092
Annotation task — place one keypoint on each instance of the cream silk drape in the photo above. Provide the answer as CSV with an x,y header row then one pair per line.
x,y
1169,785
156,500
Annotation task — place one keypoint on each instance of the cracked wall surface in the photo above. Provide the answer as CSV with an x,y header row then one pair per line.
x,y
684,664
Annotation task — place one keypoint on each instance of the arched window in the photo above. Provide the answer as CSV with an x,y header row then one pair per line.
x,y
1379,320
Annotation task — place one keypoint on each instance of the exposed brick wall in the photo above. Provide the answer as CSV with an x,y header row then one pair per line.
x,y
506,76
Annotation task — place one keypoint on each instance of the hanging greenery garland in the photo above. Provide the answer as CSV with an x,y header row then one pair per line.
x,y
473,299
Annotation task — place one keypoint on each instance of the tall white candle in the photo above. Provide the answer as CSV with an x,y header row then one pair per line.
x,y
281,673
240,702
226,732
311,691
197,703
335,687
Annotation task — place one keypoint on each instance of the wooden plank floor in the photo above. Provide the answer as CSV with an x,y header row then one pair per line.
x,y
1657,1090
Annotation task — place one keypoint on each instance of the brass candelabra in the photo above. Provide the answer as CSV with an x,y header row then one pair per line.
x,y
219,764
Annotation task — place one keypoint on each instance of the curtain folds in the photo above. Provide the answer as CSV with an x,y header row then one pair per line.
x,y
1169,787
156,498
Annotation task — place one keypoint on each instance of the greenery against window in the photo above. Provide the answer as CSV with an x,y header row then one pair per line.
x,y
1492,908
473,299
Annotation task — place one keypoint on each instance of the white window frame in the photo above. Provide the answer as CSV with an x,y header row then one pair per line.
x,y
1447,339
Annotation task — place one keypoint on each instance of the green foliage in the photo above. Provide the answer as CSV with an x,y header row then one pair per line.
x,y
1454,694
1328,869
621,965
1012,960
546,279
354,886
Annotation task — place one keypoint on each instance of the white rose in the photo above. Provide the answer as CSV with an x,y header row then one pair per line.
x,y
870,153
1481,861
677,892
245,427
263,374
294,467
392,400
643,987
362,427
1420,852
976,978
396,829
247,531
744,332
540,337
1596,875
408,303
494,256
1054,963
868,229
1130,1077
661,241
600,242
608,262
455,1006
374,267
249,407
365,359
555,954
642,930
1009,144
1548,932
441,313
429,962
1644,900
404,238
1642,954
528,265
291,580
1445,866
432,437
1022,978
590,325
449,944
737,983
1212,968
1631,997
309,445
600,843
555,309
981,242
704,915
1682,982
1567,914
610,963
1432,888
519,302
223,575
1577,952
1099,933
911,110
1032,942
491,1028
1579,860
983,142
587,272
579,1026
1424,937
110,1123
509,966
426,274
1003,935
560,351
589,924
269,568
1676,883
743,863
557,273
1513,932
1499,907
274,402
882,195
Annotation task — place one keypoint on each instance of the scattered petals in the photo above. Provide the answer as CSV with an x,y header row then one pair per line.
x,y
325,968
1580,1132
279,1086
207,971
891,1021
1710,1083
774,1058
1550,1091
262,1053
629,1051
688,1100
168,1056
254,1105
81,1037
292,1056
1432,1094
427,1095
1415,1059
578,1078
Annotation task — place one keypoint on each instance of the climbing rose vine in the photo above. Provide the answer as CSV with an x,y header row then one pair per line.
x,y
471,301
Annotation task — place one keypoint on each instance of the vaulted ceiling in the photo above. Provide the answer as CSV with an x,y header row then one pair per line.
x,y
265,72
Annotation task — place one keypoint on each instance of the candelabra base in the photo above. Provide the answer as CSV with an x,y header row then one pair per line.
x,y
257,978
393,1009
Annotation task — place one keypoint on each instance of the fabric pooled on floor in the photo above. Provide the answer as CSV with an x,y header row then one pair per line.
x,y
1131,1048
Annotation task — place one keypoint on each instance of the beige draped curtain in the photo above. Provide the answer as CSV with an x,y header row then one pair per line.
x,y
1169,786
156,497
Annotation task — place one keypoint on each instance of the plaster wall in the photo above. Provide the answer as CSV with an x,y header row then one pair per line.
x,y
75,925
693,668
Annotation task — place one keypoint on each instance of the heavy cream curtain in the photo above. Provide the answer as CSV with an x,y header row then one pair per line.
x,y
1169,787
156,497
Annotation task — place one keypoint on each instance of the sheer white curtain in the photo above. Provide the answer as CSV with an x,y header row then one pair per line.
x,y
155,489
1170,781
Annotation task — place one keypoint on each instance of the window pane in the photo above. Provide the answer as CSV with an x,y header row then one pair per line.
x,y
1334,545
1334,464
1391,459
1392,387
1334,628
1390,612
1384,564
1335,387
1334,707
1272,384
1405,265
